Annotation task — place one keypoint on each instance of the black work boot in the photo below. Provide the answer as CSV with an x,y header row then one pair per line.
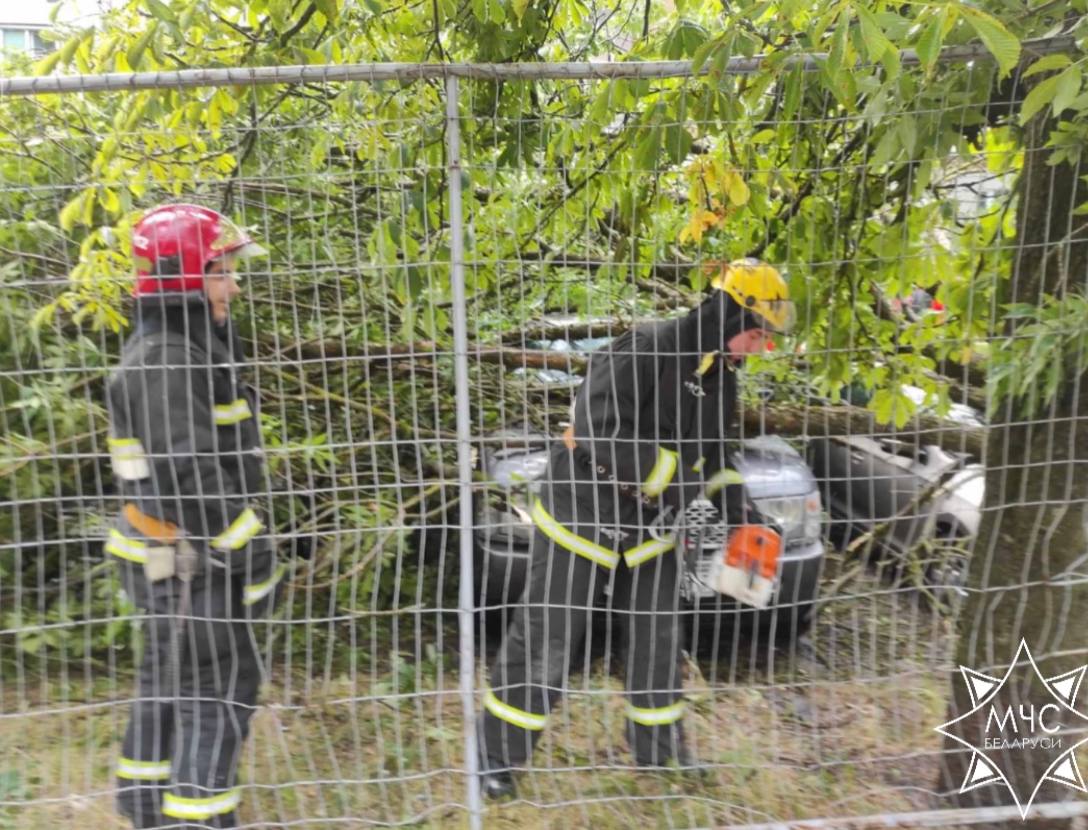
x,y
498,785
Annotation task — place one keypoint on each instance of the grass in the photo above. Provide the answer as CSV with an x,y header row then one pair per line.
x,y
844,730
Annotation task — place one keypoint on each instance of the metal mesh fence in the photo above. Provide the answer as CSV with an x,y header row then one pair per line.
x,y
447,255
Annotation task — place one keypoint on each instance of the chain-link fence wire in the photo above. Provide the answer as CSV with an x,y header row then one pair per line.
x,y
358,438
579,257
590,207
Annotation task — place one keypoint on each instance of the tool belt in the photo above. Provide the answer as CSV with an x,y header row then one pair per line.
x,y
158,529
173,556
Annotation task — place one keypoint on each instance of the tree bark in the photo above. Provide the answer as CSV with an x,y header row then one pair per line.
x,y
787,420
1034,526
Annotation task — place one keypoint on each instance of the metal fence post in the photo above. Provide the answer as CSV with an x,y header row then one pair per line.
x,y
465,600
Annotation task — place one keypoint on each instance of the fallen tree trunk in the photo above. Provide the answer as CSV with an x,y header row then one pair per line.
x,y
841,421
429,350
787,420
568,330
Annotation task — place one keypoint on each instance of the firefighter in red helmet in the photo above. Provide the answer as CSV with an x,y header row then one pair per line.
x,y
191,539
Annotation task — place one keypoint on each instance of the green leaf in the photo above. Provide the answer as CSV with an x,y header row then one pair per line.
x,y
1059,60
88,207
329,8
892,63
894,26
65,53
136,51
928,46
839,41
69,214
677,142
876,42
736,188
1040,96
886,149
47,64
908,134
496,12
109,200
1068,87
1002,43
877,108
702,53
607,100
647,151
883,404
161,11
684,40
794,90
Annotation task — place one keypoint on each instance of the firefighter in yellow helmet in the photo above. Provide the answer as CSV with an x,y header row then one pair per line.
x,y
647,439
758,288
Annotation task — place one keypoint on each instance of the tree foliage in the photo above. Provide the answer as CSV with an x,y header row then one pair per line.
x,y
858,175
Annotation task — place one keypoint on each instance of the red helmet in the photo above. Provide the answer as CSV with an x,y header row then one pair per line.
x,y
173,244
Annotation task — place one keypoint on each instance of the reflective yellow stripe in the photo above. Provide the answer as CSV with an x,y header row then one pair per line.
x,y
128,458
706,363
232,413
656,717
142,770
511,714
131,549
723,478
241,530
258,591
661,474
124,444
199,808
571,541
647,550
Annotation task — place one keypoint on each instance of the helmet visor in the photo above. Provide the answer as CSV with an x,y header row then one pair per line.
x,y
249,249
777,315
233,240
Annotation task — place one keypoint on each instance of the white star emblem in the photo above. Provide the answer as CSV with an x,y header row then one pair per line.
x,y
984,690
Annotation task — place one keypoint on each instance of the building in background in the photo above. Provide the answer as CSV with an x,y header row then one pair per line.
x,y
22,22
21,25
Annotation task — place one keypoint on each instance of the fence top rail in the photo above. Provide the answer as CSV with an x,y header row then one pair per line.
x,y
332,73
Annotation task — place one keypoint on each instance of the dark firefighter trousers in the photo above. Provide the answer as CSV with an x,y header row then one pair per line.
x,y
549,626
188,722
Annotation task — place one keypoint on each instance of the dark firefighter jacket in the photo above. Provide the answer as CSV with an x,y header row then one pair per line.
x,y
650,423
184,437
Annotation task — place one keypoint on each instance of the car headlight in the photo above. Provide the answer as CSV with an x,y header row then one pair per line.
x,y
798,516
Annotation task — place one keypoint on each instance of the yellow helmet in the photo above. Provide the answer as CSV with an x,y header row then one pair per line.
x,y
758,288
